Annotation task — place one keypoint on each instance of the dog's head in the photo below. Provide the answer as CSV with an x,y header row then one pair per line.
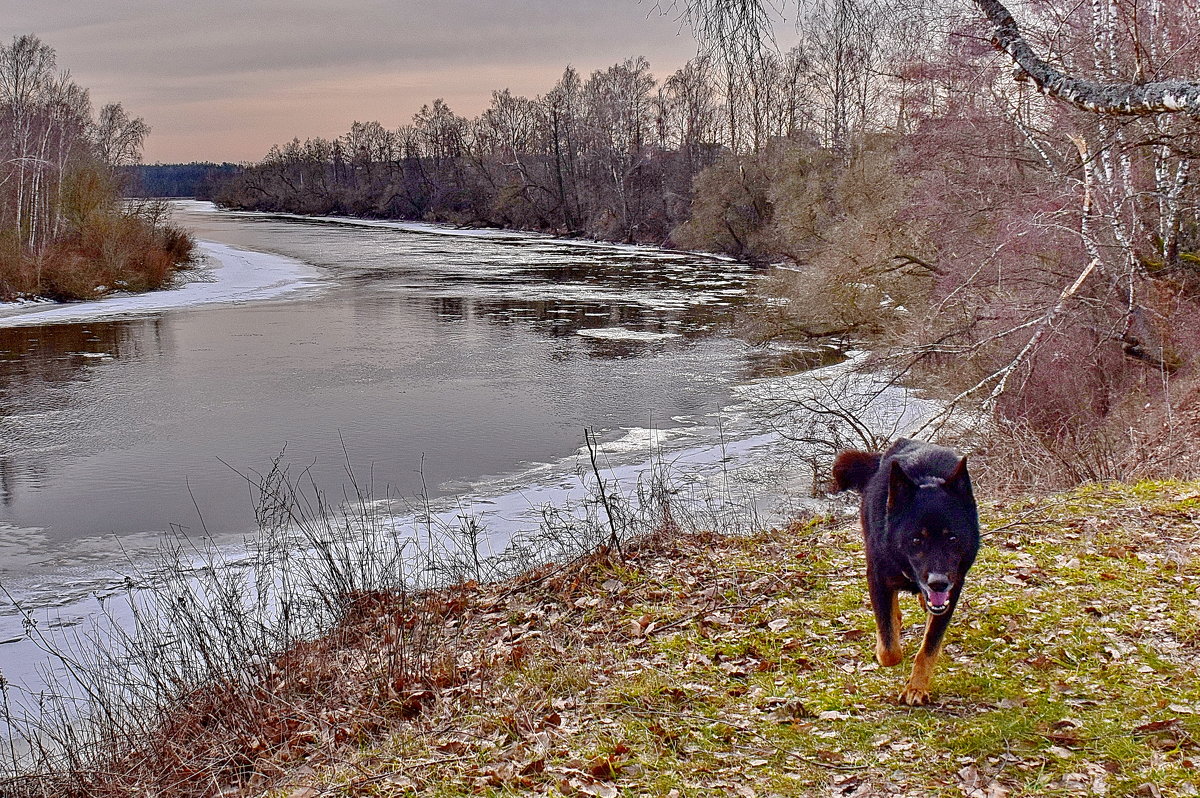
x,y
933,523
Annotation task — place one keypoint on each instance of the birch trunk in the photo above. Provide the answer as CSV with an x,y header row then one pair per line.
x,y
1162,96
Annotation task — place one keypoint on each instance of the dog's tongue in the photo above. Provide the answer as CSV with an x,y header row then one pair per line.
x,y
939,598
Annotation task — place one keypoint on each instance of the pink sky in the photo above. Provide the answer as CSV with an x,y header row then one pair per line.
x,y
223,80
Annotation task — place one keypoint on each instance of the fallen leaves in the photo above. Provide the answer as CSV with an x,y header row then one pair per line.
x,y
711,665
975,784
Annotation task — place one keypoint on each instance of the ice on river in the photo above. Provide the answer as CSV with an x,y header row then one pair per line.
x,y
740,468
440,229
225,275
623,334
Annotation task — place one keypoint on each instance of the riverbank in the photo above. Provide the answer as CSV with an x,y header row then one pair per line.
x,y
692,662
466,231
744,665
223,275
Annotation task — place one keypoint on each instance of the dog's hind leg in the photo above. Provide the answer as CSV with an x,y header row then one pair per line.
x,y
916,692
885,602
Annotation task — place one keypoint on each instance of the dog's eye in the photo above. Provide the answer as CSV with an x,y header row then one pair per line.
x,y
953,538
917,540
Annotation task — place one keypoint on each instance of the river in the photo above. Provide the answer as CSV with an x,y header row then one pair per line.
x,y
431,362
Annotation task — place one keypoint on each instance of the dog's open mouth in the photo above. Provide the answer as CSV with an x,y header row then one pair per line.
x,y
938,601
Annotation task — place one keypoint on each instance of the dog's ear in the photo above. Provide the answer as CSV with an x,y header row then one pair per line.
x,y
901,489
959,481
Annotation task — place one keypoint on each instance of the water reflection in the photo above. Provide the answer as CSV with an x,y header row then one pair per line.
x,y
38,367
31,356
767,362
433,360
14,472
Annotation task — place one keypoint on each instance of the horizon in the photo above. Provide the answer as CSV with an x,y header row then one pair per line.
x,y
212,91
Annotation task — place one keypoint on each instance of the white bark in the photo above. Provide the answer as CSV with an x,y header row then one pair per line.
x,y
728,24
1162,96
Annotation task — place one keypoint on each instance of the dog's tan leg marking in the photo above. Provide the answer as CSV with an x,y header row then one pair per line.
x,y
888,651
916,692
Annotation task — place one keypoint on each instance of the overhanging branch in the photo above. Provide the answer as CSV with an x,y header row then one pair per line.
x,y
1163,96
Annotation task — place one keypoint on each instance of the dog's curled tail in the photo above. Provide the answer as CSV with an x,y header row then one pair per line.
x,y
853,469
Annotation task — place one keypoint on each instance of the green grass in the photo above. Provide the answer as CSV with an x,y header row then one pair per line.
x,y
1071,669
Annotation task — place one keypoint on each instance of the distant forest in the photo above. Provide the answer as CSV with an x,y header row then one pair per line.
x,y
609,156
196,179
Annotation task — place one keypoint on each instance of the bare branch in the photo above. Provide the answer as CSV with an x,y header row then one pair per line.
x,y
719,24
1001,375
1163,96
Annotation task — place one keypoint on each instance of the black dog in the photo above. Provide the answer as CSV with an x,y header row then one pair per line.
x,y
921,532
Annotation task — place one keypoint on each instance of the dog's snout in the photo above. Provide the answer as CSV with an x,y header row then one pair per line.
x,y
938,582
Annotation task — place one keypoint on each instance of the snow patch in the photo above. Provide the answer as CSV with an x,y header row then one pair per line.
x,y
227,275
644,440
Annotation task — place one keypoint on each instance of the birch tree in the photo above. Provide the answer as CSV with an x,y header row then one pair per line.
x,y
620,122
63,231
27,75
740,26
119,137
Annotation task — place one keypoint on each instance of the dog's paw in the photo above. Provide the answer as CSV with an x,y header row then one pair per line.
x,y
914,695
889,657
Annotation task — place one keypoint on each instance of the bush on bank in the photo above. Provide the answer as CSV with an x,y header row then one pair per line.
x,y
65,231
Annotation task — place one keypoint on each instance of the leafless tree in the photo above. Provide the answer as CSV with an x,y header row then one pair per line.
x,y
119,138
688,110
739,26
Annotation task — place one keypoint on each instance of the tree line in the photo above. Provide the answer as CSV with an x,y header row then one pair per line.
x,y
197,179
609,156
612,155
64,231
1010,211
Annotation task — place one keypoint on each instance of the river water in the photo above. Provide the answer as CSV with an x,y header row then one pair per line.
x,y
429,361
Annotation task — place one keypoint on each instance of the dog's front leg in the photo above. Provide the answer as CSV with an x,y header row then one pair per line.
x,y
885,602
916,692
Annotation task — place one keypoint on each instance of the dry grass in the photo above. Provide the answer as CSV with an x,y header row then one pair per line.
x,y
699,663
743,665
131,249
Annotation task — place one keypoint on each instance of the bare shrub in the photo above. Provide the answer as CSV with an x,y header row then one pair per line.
x,y
64,233
731,211
862,403
118,249
214,665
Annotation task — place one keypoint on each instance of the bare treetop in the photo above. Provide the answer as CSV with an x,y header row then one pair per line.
x,y
725,24
1163,96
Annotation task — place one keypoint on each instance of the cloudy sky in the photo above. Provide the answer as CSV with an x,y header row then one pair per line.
x,y
225,79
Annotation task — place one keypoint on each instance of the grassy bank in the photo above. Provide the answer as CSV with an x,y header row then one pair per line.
x,y
744,665
697,663
702,663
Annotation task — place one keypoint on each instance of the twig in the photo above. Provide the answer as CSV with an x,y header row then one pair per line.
x,y
590,438
364,780
1002,374
695,615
